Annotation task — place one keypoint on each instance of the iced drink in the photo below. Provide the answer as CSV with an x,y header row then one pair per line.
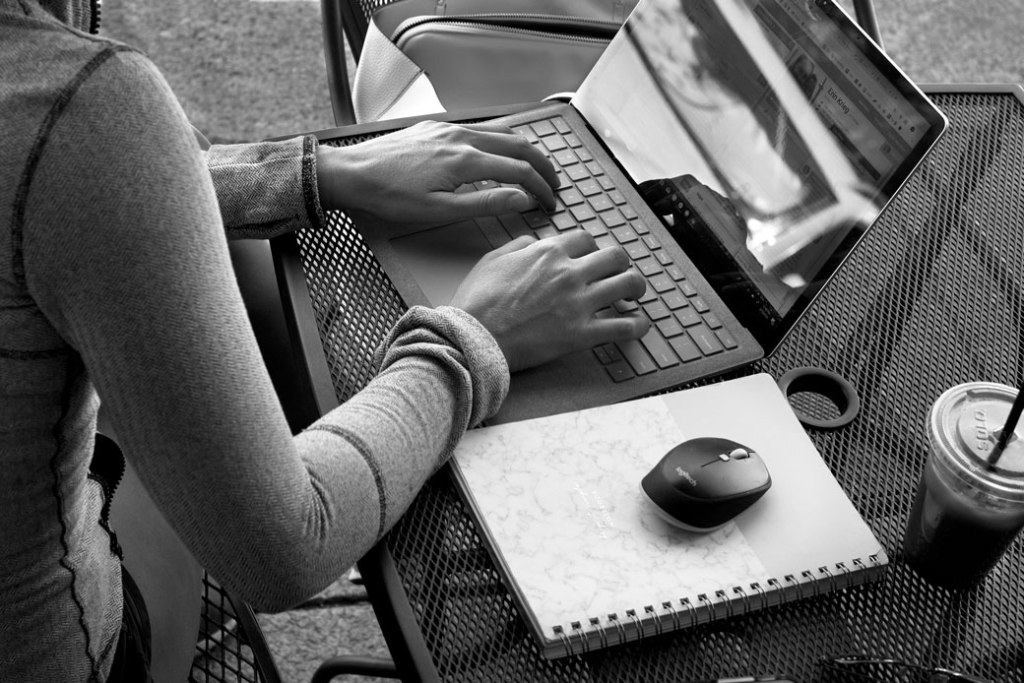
x,y
967,511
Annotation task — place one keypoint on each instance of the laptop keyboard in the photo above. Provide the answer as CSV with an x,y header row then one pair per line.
x,y
683,328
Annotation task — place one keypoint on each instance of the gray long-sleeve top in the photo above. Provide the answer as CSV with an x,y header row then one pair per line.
x,y
115,284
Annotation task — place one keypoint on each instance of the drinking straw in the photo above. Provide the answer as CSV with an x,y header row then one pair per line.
x,y
1008,429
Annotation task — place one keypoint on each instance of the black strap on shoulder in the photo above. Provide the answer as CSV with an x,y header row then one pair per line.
x,y
107,467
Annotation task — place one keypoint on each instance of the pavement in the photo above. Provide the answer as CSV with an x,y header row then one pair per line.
x,y
251,69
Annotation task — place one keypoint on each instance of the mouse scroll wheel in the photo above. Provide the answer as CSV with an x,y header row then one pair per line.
x,y
739,454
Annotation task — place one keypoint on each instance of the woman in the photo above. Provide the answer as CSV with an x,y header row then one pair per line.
x,y
115,283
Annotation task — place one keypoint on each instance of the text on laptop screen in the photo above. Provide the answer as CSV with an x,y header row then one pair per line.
x,y
758,130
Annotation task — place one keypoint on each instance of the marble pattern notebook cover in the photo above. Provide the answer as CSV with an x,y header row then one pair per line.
x,y
589,563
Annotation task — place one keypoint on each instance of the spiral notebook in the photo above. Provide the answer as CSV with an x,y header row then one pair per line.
x,y
588,562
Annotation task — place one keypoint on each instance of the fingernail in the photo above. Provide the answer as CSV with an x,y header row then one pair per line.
x,y
523,202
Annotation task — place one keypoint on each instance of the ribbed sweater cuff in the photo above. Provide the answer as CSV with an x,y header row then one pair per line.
x,y
477,352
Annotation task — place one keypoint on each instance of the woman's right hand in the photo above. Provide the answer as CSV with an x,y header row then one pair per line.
x,y
538,298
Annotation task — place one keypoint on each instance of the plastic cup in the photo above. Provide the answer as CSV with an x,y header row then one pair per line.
x,y
966,513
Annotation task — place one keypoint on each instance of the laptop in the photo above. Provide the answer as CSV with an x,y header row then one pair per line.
x,y
737,150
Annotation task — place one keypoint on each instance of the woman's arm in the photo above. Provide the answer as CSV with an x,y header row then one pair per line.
x,y
265,189
125,253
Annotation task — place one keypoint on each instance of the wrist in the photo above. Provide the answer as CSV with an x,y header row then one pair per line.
x,y
338,178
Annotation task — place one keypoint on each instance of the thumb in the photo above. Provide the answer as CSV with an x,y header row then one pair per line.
x,y
494,202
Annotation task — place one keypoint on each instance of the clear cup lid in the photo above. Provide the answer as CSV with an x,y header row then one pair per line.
x,y
967,422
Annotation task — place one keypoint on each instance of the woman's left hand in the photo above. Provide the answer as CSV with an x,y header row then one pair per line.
x,y
411,175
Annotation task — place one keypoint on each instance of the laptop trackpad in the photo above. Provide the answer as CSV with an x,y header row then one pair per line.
x,y
440,258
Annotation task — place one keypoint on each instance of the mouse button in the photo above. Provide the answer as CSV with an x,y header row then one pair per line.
x,y
737,477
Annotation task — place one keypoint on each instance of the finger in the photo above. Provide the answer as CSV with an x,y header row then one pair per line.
x,y
503,141
575,243
617,328
510,170
603,263
493,202
629,285
478,165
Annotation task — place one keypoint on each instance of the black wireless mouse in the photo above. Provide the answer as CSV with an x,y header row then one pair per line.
x,y
703,483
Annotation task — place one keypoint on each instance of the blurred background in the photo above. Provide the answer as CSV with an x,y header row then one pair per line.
x,y
251,69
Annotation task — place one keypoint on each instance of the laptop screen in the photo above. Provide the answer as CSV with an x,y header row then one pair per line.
x,y
767,134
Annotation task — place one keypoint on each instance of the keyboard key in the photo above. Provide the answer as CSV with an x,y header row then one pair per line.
x,y
706,340
649,295
526,132
589,187
570,197
577,173
564,221
656,310
664,258
675,300
604,356
688,317
700,304
485,184
604,241
595,228
669,327
636,251
623,306
659,349
546,231
688,288
727,339
584,154
676,273
563,180
582,212
639,228
637,357
594,168
685,347
648,266
662,283
612,219
553,143
573,141
565,157
536,219
712,320
620,371
607,184
652,242
629,212
601,202
561,125
617,197
543,128
624,234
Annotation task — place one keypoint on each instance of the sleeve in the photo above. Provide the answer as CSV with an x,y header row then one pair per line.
x,y
138,280
265,189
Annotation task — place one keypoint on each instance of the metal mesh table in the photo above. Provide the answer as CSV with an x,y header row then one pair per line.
x,y
931,298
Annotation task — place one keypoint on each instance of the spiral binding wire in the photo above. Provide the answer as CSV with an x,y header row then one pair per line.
x,y
725,603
